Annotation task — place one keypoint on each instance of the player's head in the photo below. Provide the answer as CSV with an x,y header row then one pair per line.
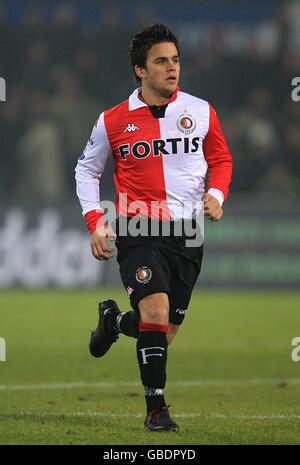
x,y
155,50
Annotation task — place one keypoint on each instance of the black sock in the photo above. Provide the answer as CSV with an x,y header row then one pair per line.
x,y
128,323
152,357
154,398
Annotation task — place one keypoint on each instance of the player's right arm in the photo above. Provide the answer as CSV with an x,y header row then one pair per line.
x,y
88,172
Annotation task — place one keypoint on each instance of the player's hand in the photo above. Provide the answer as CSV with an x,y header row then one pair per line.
x,y
99,246
212,209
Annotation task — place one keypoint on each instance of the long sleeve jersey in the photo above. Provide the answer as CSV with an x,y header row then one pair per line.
x,y
161,157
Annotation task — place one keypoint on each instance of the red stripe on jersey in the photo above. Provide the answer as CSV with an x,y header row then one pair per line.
x,y
217,155
141,179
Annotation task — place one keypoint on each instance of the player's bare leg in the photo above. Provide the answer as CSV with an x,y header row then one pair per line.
x,y
172,331
155,309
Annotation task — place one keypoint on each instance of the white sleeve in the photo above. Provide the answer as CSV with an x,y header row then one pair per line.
x,y
90,167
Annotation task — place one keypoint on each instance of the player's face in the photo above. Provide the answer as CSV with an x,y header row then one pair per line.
x,y
161,73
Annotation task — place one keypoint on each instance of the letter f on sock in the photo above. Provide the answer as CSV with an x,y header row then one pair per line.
x,y
144,355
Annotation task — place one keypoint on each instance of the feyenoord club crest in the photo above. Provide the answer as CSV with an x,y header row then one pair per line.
x,y
186,123
143,275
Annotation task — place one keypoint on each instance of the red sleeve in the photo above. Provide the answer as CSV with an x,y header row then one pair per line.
x,y
94,219
217,156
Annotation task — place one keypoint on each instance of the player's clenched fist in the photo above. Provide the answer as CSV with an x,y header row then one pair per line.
x,y
212,209
99,246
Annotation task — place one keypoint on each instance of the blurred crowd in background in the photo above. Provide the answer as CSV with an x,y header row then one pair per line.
x,y
62,71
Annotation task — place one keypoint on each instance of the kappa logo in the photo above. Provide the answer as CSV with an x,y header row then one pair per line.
x,y
130,290
131,127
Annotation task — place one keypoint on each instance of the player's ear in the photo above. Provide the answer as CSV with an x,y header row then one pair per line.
x,y
140,72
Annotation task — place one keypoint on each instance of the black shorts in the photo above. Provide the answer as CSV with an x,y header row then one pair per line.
x,y
159,264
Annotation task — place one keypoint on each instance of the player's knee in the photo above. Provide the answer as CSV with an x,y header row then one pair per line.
x,y
156,314
155,309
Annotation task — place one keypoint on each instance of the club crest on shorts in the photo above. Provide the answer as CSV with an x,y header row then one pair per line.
x,y
143,275
186,123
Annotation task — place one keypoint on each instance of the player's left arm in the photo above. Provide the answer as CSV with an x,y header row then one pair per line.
x,y
219,163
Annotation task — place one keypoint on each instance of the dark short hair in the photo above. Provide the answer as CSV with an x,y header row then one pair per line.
x,y
143,41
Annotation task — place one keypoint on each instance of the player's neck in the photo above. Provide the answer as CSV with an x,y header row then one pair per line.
x,y
153,98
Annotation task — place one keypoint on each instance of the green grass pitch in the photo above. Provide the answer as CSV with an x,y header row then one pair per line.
x,y
231,378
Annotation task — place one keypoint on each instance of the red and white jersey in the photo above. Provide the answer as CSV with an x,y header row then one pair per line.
x,y
162,159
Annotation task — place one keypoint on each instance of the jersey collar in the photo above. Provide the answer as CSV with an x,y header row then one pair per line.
x,y
135,102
